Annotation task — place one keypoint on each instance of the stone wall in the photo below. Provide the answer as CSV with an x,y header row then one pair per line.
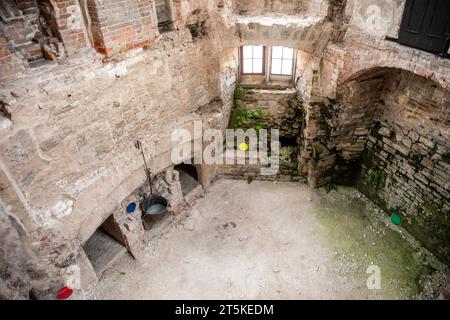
x,y
257,7
387,130
309,34
279,108
68,161
348,93
410,146
19,26
376,17
23,275
74,127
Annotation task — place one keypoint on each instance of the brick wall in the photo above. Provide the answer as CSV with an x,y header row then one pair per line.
x,y
70,24
23,34
387,130
410,144
336,130
119,25
28,6
20,29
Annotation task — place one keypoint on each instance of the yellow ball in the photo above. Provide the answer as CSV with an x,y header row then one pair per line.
x,y
243,146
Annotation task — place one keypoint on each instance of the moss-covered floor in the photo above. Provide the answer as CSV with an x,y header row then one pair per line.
x,y
283,240
363,235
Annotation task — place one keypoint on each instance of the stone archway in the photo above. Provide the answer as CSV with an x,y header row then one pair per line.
x,y
387,132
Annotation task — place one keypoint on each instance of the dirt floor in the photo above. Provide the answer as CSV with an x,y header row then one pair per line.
x,y
267,240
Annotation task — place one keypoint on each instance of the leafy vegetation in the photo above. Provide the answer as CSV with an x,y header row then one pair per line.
x,y
377,177
239,92
330,186
249,179
244,118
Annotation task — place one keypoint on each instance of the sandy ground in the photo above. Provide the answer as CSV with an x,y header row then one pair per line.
x,y
266,240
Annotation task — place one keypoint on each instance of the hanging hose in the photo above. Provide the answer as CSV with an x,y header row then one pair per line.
x,y
138,146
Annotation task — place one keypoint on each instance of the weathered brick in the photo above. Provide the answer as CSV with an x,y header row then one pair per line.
x,y
426,142
414,136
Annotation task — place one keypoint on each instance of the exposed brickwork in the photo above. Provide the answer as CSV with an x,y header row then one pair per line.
x,y
398,122
21,30
70,24
38,31
119,25
281,109
28,6
71,126
410,144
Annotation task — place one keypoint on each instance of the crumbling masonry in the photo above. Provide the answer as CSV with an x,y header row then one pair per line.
x,y
81,81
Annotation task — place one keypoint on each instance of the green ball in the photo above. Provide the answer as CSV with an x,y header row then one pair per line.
x,y
396,219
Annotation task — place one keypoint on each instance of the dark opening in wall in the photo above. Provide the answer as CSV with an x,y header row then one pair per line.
x,y
105,246
188,177
198,30
5,116
288,142
3,111
164,16
197,24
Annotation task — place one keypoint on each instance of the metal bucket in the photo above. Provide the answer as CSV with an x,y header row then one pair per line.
x,y
153,208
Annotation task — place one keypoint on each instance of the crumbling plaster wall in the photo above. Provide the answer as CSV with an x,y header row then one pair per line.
x,y
259,7
346,101
69,158
364,47
23,274
68,161
280,7
376,17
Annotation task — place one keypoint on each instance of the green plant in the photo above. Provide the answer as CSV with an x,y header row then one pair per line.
x,y
377,177
249,179
330,186
244,118
239,92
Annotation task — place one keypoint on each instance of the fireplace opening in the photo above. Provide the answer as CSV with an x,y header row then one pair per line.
x,y
105,246
188,177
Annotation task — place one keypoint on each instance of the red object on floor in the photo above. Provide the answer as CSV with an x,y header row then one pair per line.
x,y
64,293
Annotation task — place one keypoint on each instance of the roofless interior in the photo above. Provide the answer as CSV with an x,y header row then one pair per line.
x,y
224,149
